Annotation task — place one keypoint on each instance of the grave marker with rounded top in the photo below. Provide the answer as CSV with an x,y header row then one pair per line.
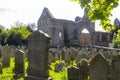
x,y
98,68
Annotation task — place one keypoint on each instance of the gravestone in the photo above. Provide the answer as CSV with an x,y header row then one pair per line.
x,y
6,53
111,73
73,53
73,73
116,66
57,54
63,54
59,67
114,53
38,47
98,68
92,53
0,53
81,56
19,63
83,69
106,54
51,55
13,50
67,57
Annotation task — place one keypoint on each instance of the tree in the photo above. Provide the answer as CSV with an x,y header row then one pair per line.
x,y
4,36
2,28
115,34
116,42
31,27
18,24
14,39
99,10
18,34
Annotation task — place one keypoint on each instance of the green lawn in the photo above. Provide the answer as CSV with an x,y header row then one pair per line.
x,y
8,73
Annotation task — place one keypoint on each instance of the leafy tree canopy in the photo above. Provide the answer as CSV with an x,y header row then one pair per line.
x,y
117,40
1,28
18,34
99,10
31,27
3,36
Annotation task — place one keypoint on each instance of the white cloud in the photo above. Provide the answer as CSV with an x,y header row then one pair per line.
x,y
28,11
22,10
64,9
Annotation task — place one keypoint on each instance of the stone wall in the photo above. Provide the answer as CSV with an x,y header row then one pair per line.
x,y
101,38
70,30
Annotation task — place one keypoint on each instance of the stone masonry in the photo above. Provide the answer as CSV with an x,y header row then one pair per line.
x,y
65,32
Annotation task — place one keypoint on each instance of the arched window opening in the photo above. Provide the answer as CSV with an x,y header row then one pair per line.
x,y
84,31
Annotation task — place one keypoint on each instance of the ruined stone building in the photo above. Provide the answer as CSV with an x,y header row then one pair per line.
x,y
65,32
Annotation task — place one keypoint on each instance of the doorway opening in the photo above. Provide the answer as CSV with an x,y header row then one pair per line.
x,y
85,37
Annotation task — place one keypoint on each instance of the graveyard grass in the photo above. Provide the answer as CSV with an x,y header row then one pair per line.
x,y
7,73
62,75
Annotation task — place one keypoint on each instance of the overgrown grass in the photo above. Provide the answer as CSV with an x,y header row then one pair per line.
x,y
8,73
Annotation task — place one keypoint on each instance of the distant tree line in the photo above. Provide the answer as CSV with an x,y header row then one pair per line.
x,y
17,35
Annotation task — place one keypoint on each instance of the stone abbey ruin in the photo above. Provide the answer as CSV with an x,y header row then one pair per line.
x,y
66,32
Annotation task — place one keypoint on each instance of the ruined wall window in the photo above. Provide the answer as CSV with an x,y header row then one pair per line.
x,y
84,31
60,39
85,37
103,37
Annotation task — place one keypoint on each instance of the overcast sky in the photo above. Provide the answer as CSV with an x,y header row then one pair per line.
x,y
29,11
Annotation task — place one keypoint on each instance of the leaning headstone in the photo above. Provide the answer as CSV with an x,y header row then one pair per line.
x,y
98,68
73,73
38,47
6,56
59,66
19,64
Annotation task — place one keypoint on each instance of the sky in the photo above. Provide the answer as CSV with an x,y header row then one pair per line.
x,y
29,11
